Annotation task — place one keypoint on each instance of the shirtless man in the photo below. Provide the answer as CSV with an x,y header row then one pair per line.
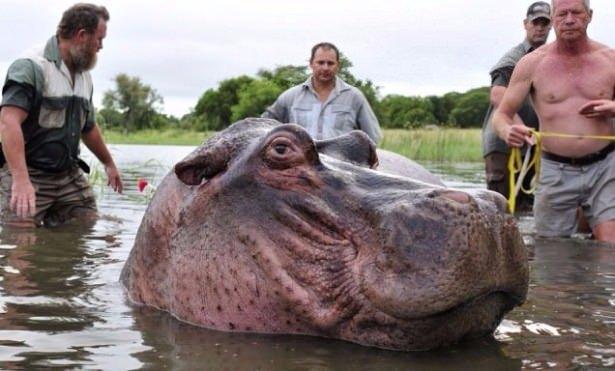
x,y
572,85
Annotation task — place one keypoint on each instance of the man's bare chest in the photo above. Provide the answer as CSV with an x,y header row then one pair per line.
x,y
555,81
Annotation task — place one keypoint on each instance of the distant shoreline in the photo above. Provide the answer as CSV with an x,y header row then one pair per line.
x,y
438,145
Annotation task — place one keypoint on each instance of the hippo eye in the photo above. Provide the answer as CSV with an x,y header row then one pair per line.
x,y
280,148
282,152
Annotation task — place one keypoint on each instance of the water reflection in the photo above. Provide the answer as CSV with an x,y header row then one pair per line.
x,y
569,317
179,346
61,304
44,271
54,291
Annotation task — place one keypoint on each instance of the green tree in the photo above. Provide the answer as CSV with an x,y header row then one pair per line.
x,y
403,112
162,121
285,76
136,102
213,111
245,96
470,109
254,99
109,118
443,105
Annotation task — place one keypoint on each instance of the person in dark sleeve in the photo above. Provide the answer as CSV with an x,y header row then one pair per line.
x,y
46,110
495,151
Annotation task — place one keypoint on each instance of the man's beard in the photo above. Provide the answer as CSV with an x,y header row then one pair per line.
x,y
83,58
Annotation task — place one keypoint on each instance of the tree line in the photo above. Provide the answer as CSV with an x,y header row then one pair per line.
x,y
133,105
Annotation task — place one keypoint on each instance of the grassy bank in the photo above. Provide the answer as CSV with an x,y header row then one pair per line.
x,y
444,145
168,137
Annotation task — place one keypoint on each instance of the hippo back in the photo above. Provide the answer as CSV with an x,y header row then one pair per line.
x,y
392,163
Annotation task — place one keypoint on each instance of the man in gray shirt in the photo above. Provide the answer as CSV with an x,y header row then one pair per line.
x,y
495,151
325,105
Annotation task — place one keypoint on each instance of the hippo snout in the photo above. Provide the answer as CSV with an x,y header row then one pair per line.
x,y
441,249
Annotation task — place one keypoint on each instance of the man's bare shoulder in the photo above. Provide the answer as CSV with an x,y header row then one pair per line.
x,y
607,51
530,61
603,52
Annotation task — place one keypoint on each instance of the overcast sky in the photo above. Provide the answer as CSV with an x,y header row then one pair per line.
x,y
182,48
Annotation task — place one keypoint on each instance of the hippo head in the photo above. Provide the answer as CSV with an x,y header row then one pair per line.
x,y
273,232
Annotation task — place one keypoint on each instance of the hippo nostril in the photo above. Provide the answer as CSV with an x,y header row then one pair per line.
x,y
457,196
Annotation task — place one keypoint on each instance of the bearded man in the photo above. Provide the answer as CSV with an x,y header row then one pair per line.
x,y
46,109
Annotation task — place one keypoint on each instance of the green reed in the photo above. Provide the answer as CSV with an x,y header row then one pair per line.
x,y
439,145
176,137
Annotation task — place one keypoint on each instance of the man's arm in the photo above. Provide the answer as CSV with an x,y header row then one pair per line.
x,y
515,134
601,107
598,108
23,199
95,143
496,94
278,110
495,97
368,122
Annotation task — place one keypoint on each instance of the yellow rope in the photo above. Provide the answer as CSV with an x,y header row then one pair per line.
x,y
516,166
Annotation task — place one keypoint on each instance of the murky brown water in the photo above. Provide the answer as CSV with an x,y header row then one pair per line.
x,y
61,305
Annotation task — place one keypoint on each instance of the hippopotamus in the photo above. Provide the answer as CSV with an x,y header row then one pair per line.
x,y
263,229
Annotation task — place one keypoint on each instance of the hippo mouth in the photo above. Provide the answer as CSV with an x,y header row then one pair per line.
x,y
501,301
473,318
507,300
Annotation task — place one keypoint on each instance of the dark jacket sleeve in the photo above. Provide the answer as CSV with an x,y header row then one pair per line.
x,y
501,76
19,87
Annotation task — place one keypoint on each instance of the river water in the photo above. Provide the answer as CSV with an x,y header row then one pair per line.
x,y
62,307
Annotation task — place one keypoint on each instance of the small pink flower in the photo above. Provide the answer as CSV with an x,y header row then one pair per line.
x,y
141,184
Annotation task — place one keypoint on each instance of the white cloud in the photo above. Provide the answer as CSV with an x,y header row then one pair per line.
x,y
181,48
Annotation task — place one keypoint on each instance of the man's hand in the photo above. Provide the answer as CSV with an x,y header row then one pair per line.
x,y
598,108
23,198
517,135
94,141
113,178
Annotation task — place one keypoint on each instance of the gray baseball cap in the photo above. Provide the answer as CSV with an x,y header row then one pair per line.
x,y
539,9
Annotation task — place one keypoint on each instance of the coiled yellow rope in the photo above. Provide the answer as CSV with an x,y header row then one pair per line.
x,y
516,166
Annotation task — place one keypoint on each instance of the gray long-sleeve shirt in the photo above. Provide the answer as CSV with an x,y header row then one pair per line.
x,y
346,109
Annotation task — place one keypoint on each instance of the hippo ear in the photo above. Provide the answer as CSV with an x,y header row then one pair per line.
x,y
355,147
194,170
